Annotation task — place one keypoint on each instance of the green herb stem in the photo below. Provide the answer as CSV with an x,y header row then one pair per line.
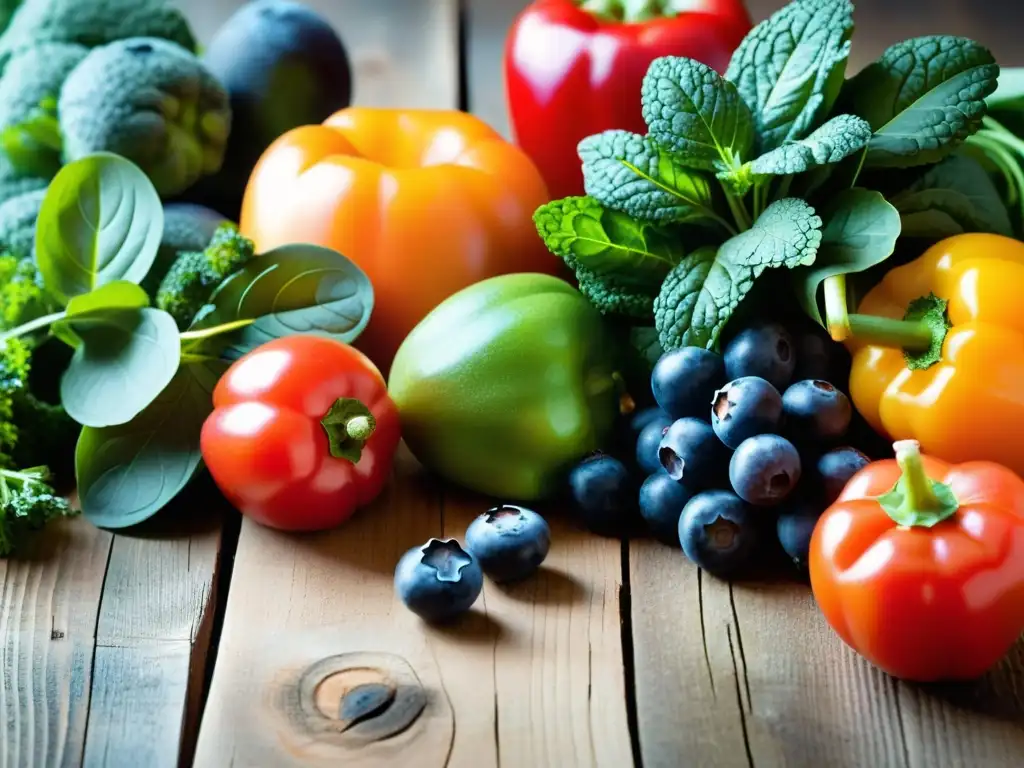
x,y
739,211
33,325
910,335
837,314
216,330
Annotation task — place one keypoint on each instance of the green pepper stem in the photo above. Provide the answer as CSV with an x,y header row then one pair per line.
x,y
359,428
348,424
628,11
916,499
837,315
910,335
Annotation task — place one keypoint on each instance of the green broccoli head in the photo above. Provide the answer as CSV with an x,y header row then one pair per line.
x,y
152,102
195,274
22,295
187,227
27,503
18,223
14,182
92,23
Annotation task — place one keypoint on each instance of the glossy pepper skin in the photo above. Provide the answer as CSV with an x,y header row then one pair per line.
x,y
970,404
302,434
507,384
573,69
426,202
924,578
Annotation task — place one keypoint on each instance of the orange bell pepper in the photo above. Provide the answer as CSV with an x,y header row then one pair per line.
x,y
919,565
938,351
426,202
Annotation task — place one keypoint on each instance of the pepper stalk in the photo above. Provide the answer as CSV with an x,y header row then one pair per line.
x,y
916,499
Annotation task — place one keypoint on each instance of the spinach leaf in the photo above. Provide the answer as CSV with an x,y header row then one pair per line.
x,y
124,360
296,288
836,140
700,294
790,68
82,309
129,472
953,197
101,221
923,98
619,262
695,114
628,172
860,231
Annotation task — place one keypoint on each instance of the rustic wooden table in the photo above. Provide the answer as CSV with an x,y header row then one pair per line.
x,y
209,641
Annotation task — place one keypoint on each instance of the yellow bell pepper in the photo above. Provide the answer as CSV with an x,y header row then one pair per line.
x,y
938,351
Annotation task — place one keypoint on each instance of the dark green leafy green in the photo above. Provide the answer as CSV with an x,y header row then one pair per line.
x,y
129,472
645,341
923,98
101,221
790,68
695,114
860,231
82,309
951,198
628,172
619,261
836,140
700,294
124,360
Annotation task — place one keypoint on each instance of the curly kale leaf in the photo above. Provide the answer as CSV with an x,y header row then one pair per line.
x,y
27,503
152,102
628,172
836,140
695,114
700,294
790,68
923,98
619,262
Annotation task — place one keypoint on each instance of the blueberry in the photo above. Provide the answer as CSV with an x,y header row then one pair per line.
x,y
764,470
438,580
765,350
644,417
816,411
649,440
794,527
509,542
718,532
683,380
745,407
604,494
661,503
691,452
835,469
814,355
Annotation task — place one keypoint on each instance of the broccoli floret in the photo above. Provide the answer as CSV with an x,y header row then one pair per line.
x,y
15,182
187,227
195,274
92,23
152,102
22,295
27,503
14,368
18,223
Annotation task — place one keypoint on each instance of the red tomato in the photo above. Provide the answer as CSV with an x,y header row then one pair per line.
x,y
302,434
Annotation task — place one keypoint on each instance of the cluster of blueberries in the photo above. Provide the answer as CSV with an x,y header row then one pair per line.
x,y
441,579
754,435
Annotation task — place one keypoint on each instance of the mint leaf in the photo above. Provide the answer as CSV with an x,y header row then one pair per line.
x,y
860,231
836,140
951,198
923,98
700,294
619,262
627,172
695,114
790,68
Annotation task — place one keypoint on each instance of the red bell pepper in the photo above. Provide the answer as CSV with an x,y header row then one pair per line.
x,y
573,68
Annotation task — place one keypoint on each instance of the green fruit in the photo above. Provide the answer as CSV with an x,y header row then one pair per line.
x,y
506,385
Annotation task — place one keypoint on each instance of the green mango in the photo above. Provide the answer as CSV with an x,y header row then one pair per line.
x,y
506,384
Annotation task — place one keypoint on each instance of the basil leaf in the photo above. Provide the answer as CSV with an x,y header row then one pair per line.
x,y
296,288
81,309
923,98
695,114
700,294
836,140
790,68
860,231
129,472
628,172
101,221
619,262
951,198
124,360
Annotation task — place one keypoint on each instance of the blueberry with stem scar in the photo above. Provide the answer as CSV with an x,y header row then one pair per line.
x,y
438,580
510,542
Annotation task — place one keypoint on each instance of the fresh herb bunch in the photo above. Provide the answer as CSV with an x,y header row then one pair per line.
x,y
783,163
27,503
